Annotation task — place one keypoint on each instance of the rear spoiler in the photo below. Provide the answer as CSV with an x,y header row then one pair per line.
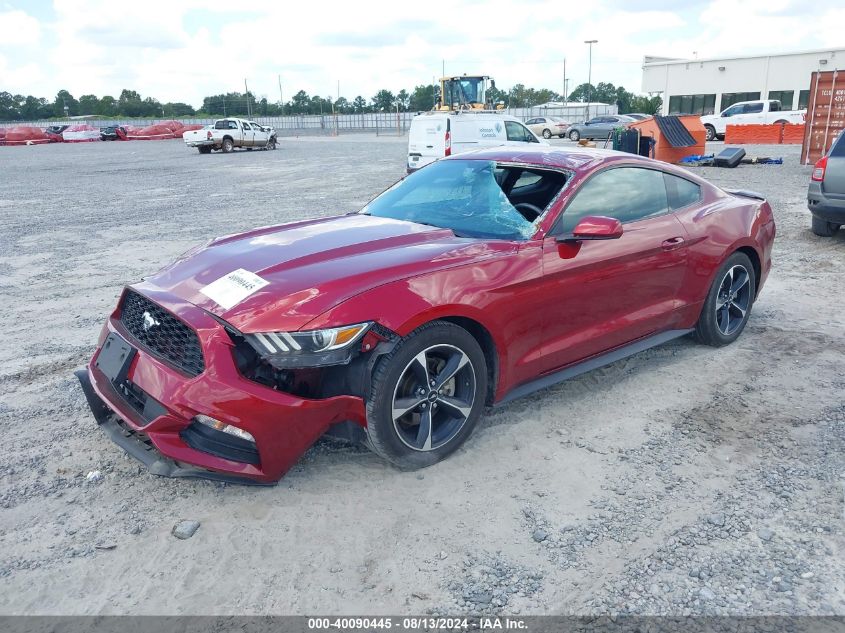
x,y
745,193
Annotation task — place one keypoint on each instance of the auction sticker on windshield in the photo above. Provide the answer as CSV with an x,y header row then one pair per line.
x,y
233,288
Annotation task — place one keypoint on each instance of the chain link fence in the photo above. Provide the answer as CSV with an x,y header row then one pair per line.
x,y
379,123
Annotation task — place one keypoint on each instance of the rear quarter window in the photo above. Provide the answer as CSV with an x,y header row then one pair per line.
x,y
681,192
838,149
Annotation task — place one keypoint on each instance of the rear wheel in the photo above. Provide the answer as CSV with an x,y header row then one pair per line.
x,y
547,134
823,228
574,135
711,132
426,396
204,149
728,304
228,145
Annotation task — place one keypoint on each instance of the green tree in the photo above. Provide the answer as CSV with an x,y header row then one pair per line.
x,y
403,99
107,106
89,104
422,98
383,100
646,105
359,104
177,109
65,100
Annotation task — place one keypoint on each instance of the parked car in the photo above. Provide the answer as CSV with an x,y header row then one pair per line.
x,y
476,280
598,127
639,116
749,112
435,134
227,134
826,193
113,133
547,126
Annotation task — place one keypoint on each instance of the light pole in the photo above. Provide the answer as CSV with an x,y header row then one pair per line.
x,y
590,76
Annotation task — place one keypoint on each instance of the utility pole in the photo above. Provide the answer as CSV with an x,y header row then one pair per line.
x,y
224,105
590,76
281,99
248,111
564,81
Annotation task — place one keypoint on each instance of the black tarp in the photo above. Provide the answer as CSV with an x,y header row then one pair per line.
x,y
674,131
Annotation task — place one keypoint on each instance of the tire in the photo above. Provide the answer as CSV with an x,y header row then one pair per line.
x,y
204,149
228,145
271,144
780,122
399,377
823,228
725,314
711,132
575,135
547,134
561,135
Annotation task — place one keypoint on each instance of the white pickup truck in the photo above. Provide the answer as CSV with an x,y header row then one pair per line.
x,y
749,113
227,134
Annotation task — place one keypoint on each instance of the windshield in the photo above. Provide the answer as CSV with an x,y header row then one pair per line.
x,y
469,197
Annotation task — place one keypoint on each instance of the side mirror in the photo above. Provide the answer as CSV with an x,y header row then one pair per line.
x,y
594,227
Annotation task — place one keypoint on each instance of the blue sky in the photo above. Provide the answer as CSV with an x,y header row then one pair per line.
x,y
182,50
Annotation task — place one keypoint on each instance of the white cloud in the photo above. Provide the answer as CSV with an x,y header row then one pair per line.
x,y
19,29
182,51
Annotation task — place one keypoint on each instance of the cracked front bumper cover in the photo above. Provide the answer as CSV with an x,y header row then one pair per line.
x,y
132,442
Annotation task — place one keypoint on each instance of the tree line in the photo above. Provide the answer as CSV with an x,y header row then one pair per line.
x,y
130,104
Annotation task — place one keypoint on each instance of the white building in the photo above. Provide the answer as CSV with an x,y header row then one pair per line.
x,y
707,86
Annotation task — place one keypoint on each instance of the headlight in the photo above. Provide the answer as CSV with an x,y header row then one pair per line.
x,y
314,348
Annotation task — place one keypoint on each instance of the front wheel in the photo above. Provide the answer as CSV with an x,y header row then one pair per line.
x,y
823,228
427,396
728,304
574,135
710,132
547,134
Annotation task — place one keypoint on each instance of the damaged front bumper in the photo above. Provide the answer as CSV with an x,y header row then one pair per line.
x,y
152,409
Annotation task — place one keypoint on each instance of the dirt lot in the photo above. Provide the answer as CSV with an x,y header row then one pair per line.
x,y
683,480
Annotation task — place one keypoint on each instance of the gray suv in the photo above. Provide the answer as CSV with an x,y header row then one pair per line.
x,y
826,195
598,127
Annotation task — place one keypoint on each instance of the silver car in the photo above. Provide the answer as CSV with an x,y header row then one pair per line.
x,y
598,127
826,194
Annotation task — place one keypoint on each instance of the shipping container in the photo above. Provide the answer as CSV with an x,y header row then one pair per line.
x,y
825,114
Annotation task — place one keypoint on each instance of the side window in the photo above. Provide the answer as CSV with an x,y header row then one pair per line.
x,y
681,192
625,193
596,119
838,148
518,132
246,126
733,110
753,108
233,125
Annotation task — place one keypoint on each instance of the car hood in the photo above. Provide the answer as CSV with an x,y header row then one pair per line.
x,y
314,265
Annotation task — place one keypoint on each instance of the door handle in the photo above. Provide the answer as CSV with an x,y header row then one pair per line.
x,y
672,243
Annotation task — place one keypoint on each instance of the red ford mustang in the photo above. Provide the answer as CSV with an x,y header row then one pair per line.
x,y
476,280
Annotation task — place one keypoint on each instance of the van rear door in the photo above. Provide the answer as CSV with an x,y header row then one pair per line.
x,y
427,140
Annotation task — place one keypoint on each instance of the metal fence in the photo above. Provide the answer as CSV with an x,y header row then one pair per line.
x,y
381,123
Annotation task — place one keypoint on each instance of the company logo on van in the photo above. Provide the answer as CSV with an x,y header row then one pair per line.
x,y
439,127
498,127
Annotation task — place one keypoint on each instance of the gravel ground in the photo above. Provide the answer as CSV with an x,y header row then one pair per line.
x,y
683,480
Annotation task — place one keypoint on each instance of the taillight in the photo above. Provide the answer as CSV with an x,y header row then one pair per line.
x,y
448,143
208,135
818,170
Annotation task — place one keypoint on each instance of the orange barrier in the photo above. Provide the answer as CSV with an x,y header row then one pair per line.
x,y
793,134
771,134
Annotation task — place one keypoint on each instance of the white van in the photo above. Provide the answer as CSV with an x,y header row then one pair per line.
x,y
434,135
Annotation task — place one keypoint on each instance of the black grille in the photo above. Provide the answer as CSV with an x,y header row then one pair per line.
x,y
166,336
